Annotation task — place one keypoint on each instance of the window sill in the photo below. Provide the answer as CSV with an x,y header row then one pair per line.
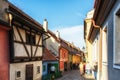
x,y
117,66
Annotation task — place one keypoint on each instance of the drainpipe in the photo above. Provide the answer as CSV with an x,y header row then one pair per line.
x,y
99,75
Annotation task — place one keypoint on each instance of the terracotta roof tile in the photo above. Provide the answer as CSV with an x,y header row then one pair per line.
x,y
48,56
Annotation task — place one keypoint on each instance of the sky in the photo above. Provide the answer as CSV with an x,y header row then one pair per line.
x,y
66,16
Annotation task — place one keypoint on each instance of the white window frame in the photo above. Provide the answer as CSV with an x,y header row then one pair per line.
x,y
103,55
95,48
114,15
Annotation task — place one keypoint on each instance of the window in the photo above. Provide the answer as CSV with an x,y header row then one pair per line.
x,y
116,39
18,74
38,69
30,39
44,68
33,39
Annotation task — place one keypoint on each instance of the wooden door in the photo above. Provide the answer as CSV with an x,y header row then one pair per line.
x,y
29,72
48,68
65,66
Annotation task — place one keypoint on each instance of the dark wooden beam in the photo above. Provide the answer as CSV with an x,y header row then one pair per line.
x,y
15,41
37,44
11,45
118,13
23,42
26,59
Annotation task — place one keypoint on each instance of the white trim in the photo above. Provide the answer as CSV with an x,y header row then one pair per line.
x,y
106,26
105,63
115,66
114,15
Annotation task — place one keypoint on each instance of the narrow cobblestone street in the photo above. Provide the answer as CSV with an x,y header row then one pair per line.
x,y
71,75
75,75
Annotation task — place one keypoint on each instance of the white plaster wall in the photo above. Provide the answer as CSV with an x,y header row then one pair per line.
x,y
22,67
16,35
53,45
37,38
39,51
104,47
94,58
20,50
104,72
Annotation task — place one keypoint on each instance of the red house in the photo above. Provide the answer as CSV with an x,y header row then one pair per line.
x,y
63,56
4,50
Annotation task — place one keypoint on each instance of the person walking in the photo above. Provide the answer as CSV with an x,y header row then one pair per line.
x,y
81,68
95,68
52,69
88,68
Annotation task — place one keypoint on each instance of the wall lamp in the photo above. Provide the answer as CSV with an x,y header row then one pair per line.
x,y
10,17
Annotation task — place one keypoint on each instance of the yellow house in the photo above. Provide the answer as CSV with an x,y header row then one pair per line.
x,y
76,58
87,28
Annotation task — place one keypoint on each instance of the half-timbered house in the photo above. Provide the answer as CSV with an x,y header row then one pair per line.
x,y
25,46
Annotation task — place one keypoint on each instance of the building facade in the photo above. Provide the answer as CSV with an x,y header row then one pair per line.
x,y
104,37
87,26
25,46
63,59
49,60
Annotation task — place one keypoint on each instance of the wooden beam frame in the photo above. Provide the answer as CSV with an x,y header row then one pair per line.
x,y
23,41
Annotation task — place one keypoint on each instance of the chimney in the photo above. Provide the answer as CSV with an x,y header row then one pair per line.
x,y
45,25
58,34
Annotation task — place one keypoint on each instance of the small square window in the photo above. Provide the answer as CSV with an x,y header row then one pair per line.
x,y
38,69
18,74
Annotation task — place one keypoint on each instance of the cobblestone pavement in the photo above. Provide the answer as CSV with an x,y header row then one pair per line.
x,y
89,77
71,75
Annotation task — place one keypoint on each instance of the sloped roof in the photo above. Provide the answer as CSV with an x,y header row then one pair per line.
x,y
18,14
48,56
53,35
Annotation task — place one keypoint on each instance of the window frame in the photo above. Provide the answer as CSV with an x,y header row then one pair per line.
x,y
44,68
38,70
16,74
30,38
114,46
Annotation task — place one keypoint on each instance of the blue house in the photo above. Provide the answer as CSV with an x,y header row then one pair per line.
x,y
48,60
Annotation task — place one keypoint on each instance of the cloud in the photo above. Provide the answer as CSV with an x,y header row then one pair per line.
x,y
73,34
